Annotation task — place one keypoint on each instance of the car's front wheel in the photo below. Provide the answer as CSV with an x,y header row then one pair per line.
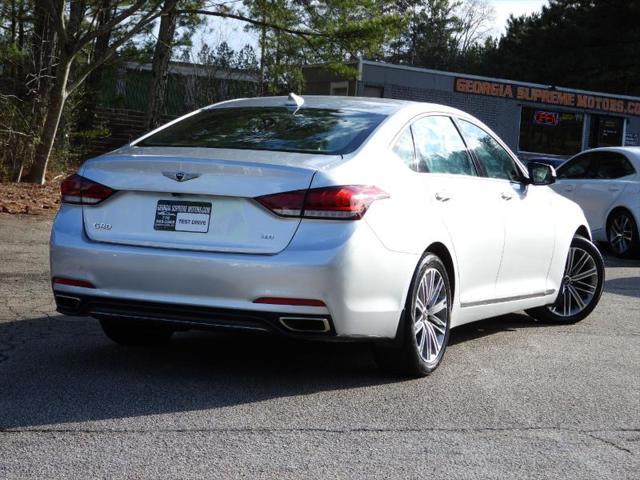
x,y
622,233
581,285
136,333
426,323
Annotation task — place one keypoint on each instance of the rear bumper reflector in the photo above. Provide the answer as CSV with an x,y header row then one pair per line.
x,y
73,282
290,301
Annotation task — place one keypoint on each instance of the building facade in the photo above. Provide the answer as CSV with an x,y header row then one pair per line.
x,y
534,120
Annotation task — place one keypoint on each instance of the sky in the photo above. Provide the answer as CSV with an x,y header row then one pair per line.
x,y
233,31
504,8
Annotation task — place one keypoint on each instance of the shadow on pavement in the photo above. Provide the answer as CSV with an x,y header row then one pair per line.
x,y
63,370
611,261
628,286
504,323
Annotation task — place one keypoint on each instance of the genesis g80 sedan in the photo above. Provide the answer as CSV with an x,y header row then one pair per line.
x,y
327,218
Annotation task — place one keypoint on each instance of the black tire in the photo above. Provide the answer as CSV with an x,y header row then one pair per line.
x,y
136,333
551,313
405,356
632,244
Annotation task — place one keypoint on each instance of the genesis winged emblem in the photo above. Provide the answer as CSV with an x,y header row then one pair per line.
x,y
180,176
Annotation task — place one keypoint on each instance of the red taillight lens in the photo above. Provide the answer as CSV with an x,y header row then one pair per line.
x,y
74,282
82,191
342,203
348,202
287,204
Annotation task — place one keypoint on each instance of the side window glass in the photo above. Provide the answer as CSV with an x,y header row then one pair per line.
x,y
610,165
496,160
577,168
440,148
405,150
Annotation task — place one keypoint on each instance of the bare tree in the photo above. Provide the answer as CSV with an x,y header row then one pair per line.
x,y
93,81
319,27
160,64
475,21
77,25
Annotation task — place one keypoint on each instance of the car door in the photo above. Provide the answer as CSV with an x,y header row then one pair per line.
x,y
604,183
571,174
528,223
468,209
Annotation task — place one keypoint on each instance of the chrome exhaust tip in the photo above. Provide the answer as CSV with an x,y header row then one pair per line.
x,y
306,324
67,304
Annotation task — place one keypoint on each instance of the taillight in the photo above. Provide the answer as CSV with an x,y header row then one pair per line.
x,y
82,191
348,202
287,204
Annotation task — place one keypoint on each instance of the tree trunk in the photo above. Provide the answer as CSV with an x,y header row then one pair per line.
x,y
92,83
160,65
263,46
44,42
55,104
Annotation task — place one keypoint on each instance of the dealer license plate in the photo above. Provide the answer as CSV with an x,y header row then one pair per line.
x,y
180,216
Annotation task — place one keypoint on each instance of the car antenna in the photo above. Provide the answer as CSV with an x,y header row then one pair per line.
x,y
295,101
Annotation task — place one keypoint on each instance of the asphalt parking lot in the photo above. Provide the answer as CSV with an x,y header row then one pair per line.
x,y
513,398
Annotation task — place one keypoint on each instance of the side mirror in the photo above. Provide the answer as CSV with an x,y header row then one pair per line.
x,y
541,173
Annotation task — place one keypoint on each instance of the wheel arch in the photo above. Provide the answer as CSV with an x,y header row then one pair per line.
x,y
584,231
444,254
441,250
620,208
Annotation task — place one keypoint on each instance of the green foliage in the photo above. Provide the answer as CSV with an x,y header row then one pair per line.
x,y
441,34
577,43
428,39
332,32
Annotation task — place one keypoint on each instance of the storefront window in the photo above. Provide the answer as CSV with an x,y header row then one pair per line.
x,y
549,131
605,131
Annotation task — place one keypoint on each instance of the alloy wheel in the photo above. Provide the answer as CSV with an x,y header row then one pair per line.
x,y
579,284
430,313
621,233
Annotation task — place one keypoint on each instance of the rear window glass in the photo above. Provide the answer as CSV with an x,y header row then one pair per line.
x,y
309,130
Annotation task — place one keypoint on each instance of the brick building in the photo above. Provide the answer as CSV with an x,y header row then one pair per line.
x,y
533,119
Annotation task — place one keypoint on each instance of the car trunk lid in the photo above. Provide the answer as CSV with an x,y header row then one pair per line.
x,y
196,200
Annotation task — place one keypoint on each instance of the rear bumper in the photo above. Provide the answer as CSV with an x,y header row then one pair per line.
x,y
195,317
341,263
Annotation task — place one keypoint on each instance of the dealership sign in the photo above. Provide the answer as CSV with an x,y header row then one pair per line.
x,y
548,96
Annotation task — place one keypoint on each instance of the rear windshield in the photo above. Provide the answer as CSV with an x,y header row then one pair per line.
x,y
309,130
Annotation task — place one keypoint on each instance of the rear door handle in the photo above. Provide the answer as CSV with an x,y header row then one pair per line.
x,y
569,188
443,196
614,188
506,196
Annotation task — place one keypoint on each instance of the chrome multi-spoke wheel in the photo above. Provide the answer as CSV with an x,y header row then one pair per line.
x,y
579,284
430,313
580,287
425,324
621,233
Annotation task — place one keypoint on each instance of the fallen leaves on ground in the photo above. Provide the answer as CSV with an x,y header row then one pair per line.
x,y
31,199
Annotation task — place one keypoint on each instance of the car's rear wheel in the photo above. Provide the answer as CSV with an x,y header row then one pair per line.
x,y
581,286
426,323
622,233
136,333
